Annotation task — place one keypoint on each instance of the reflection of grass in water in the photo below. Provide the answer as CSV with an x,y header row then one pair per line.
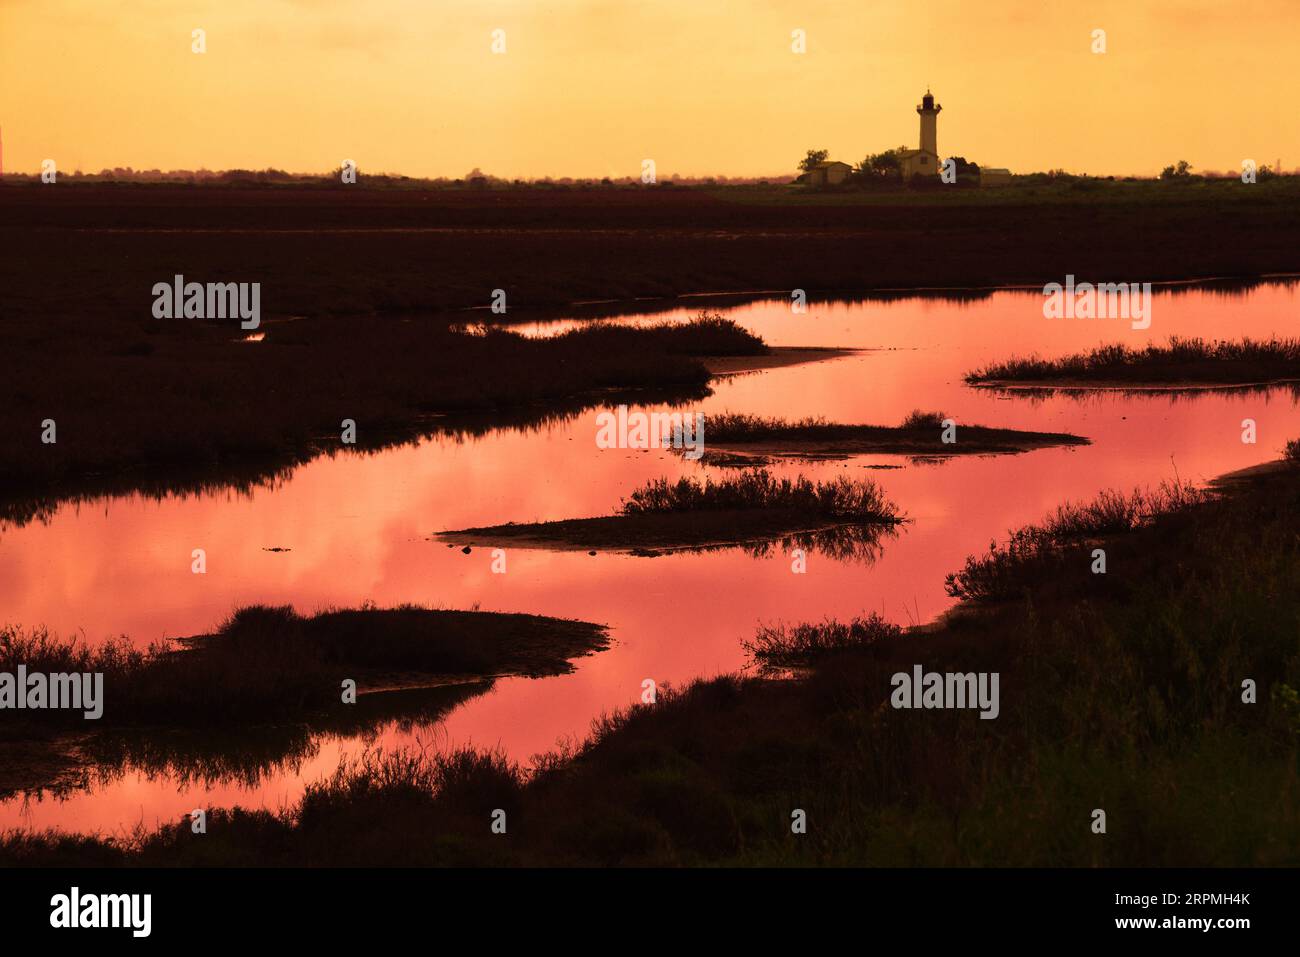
x,y
843,543
250,755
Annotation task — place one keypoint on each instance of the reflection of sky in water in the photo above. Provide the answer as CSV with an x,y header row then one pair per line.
x,y
359,526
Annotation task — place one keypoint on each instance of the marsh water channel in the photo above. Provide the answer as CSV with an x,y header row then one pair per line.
x,y
357,528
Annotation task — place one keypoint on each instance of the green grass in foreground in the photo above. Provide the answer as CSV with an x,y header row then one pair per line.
x,y
1180,360
1121,691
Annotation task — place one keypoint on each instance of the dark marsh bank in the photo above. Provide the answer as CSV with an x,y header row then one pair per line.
x,y
362,288
192,401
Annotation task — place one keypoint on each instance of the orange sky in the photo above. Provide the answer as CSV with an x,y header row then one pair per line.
x,y
593,87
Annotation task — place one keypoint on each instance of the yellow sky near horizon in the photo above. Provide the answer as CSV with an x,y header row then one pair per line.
x,y
593,87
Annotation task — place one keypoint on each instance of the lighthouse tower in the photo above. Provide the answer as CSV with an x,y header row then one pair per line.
x,y
929,111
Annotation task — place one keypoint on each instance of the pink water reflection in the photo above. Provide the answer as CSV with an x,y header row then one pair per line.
x,y
358,526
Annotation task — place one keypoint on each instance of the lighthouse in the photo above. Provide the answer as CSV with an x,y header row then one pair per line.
x,y
923,161
929,111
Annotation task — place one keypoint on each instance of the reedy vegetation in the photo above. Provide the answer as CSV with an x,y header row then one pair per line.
x,y
1180,360
839,498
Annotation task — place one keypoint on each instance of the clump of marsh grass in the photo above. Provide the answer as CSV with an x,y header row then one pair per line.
x,y
782,646
468,777
1180,360
840,498
920,419
1001,573
741,427
42,652
708,334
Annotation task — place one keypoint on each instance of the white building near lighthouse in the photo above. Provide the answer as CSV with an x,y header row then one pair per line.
x,y
925,160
